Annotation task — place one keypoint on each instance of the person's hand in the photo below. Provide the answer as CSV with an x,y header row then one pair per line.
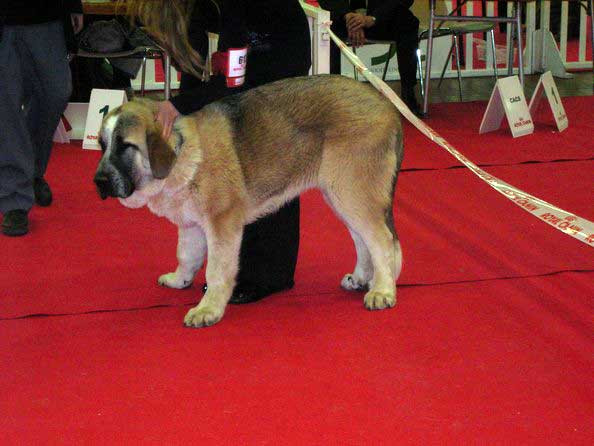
x,y
355,21
368,21
77,21
166,116
357,38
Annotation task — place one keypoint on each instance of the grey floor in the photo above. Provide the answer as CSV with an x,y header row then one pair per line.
x,y
479,88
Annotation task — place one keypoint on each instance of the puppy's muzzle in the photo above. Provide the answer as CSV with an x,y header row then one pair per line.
x,y
103,186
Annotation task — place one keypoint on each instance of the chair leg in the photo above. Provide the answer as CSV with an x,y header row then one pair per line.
x,y
494,51
143,76
420,67
355,74
510,52
167,70
518,10
389,56
592,31
429,57
445,65
457,45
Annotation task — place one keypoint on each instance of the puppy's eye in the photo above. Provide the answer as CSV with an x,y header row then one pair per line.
x,y
125,146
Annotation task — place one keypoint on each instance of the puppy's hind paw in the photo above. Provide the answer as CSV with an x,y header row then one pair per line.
x,y
375,300
173,280
202,317
350,283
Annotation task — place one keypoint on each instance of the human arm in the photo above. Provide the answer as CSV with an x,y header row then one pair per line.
x,y
384,12
338,9
358,22
357,38
232,34
74,8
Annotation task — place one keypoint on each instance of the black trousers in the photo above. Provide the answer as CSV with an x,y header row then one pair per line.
x,y
270,245
403,28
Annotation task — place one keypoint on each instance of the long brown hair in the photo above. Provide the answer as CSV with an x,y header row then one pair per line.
x,y
167,21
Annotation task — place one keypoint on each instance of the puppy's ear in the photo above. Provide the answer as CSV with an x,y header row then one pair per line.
x,y
161,155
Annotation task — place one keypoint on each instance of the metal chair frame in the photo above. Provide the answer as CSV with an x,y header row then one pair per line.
x,y
456,33
144,52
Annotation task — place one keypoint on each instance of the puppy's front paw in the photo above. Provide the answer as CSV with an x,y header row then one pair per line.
x,y
202,317
134,201
174,280
351,283
375,300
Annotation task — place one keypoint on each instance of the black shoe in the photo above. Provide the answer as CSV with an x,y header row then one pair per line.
x,y
410,99
43,193
248,294
15,223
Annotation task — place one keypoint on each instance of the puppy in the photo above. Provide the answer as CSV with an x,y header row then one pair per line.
x,y
246,155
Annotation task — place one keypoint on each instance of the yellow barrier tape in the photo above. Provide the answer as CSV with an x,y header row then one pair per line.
x,y
571,224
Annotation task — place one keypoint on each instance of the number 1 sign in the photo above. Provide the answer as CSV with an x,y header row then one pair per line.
x,y
102,102
546,85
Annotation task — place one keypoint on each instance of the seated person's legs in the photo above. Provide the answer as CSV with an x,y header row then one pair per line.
x,y
403,28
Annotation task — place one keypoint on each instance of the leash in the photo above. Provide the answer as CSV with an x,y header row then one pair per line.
x,y
564,221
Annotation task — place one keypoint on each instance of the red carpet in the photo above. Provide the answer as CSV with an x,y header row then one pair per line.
x,y
88,255
500,362
459,125
491,339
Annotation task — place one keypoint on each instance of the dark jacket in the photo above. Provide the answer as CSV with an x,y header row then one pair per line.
x,y
32,12
384,10
276,32
380,9
28,12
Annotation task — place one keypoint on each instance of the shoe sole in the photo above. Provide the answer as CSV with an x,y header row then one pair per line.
x,y
15,232
43,203
42,191
236,300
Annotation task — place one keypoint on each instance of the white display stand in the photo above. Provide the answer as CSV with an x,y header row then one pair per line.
x,y
508,99
547,56
546,85
101,103
61,133
76,114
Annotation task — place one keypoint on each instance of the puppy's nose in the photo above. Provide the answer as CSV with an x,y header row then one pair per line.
x,y
103,185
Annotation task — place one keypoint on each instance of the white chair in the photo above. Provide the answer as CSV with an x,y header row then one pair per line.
x,y
453,28
435,17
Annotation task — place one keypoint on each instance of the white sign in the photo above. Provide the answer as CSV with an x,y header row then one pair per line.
x,y
61,133
102,102
374,57
237,62
546,84
508,99
76,115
